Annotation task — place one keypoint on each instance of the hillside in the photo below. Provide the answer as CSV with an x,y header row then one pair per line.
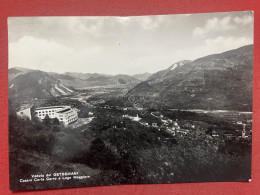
x,y
143,76
80,80
36,85
117,80
26,85
219,81
84,76
14,72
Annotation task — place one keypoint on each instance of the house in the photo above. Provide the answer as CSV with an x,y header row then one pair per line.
x,y
137,118
145,124
183,131
170,130
65,114
164,121
26,111
154,125
175,124
215,134
169,121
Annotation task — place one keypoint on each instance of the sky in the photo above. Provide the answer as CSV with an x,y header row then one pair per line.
x,y
123,45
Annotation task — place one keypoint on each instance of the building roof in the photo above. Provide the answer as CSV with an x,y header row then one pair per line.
x,y
64,111
25,106
51,107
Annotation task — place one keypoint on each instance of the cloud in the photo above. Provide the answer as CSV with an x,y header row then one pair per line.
x,y
149,23
218,45
122,44
123,19
214,25
228,41
48,55
85,25
244,19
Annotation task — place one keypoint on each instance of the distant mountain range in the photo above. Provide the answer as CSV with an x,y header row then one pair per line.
x,y
28,84
143,76
85,76
219,81
25,86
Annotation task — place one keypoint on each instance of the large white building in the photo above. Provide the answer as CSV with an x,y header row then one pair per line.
x,y
25,111
65,114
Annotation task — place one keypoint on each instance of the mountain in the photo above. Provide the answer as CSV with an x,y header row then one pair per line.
x,y
14,72
219,81
117,80
167,72
70,81
84,76
35,85
81,80
143,76
26,85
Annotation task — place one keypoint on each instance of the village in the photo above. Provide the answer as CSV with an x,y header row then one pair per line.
x,y
172,127
68,116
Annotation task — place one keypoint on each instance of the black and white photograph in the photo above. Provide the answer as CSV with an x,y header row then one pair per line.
x,y
116,100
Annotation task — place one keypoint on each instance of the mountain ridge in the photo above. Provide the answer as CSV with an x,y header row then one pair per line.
x,y
211,82
34,85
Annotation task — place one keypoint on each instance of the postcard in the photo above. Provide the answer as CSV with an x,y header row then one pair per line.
x,y
107,100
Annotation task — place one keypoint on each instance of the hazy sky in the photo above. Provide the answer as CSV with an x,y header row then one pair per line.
x,y
123,45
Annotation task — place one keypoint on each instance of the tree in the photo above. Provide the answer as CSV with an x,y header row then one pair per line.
x,y
97,145
210,130
56,121
47,119
56,128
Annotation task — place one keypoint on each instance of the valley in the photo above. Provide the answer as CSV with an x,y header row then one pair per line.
x,y
192,120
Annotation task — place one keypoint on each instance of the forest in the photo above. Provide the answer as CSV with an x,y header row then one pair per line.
x,y
115,150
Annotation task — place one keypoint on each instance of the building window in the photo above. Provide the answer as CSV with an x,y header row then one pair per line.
x,y
61,119
21,112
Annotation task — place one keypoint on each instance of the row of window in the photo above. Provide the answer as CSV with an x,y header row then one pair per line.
x,y
46,114
72,116
45,111
71,120
68,120
61,119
